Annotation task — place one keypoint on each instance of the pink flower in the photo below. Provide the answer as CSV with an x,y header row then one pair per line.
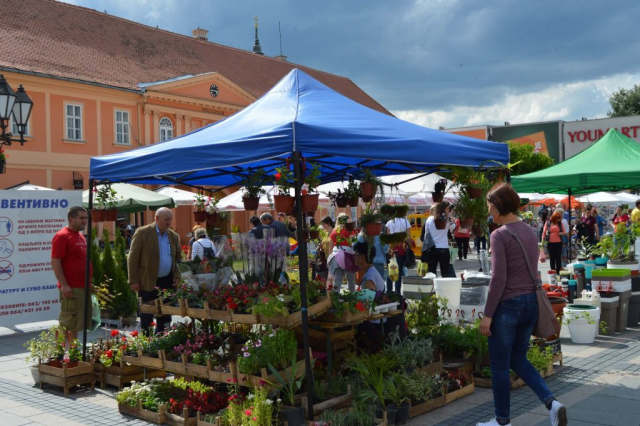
x,y
248,412
258,343
246,354
244,349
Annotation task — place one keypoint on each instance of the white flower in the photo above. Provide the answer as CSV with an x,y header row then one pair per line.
x,y
279,401
268,402
250,396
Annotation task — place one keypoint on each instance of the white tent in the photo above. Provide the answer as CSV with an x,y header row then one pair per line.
x,y
600,197
180,197
418,185
626,197
29,187
531,196
233,202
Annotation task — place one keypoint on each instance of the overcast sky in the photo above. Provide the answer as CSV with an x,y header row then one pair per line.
x,y
450,63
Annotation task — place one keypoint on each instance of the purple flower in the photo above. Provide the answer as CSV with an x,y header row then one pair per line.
x,y
258,344
244,349
247,354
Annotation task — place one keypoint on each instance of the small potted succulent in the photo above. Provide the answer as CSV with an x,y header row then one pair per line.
x,y
253,190
438,190
283,201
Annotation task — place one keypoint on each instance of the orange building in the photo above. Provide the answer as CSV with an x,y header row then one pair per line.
x,y
101,84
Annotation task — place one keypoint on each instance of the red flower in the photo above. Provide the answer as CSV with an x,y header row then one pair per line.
x,y
233,305
114,333
109,354
360,306
134,334
278,175
153,324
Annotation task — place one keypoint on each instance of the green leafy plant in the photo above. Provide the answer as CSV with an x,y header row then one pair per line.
x,y
312,178
540,358
353,189
255,182
370,215
283,180
440,186
409,354
106,197
372,370
619,247
289,383
199,202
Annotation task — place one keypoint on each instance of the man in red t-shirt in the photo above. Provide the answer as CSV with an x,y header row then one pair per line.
x,y
68,259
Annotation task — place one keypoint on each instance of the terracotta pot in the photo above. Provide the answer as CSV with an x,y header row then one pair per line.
x,y
310,202
373,229
367,191
474,192
314,234
251,203
110,215
200,216
437,196
341,202
97,215
283,203
557,304
352,202
441,223
466,223
493,227
349,226
213,218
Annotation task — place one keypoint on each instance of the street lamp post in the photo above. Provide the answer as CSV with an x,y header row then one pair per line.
x,y
16,104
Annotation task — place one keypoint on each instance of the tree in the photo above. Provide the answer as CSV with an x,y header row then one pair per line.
x,y
525,160
625,102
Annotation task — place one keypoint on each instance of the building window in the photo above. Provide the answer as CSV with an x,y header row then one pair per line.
x,y
122,128
74,122
166,129
14,127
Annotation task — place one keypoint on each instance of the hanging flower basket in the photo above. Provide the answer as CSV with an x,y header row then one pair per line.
x,y
213,218
251,203
352,202
367,191
310,203
341,201
477,231
350,226
373,229
283,203
200,216
437,196
97,215
466,223
474,192
110,215
314,235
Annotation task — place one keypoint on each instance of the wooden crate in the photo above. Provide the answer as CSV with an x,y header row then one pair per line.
x,y
515,382
179,310
332,403
141,413
427,406
66,377
180,420
200,421
347,317
459,393
295,319
245,318
458,365
206,312
144,360
223,377
434,367
151,307
557,358
251,381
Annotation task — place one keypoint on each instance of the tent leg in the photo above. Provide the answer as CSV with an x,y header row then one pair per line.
x,y
569,236
303,266
87,274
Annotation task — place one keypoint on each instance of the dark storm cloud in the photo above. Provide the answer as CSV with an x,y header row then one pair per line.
x,y
423,55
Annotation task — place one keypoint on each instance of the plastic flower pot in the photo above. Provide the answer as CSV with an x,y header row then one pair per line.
x,y
283,203
440,223
367,191
402,416
97,215
213,218
352,202
294,416
200,216
474,192
310,202
437,196
373,229
110,215
583,322
466,223
341,201
251,203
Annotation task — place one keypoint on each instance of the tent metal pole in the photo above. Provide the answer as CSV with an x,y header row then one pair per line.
x,y
304,277
87,274
569,237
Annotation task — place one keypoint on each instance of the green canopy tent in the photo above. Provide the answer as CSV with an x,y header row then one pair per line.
x,y
134,199
611,164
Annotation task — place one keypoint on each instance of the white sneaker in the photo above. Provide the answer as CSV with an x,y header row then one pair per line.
x,y
492,422
558,414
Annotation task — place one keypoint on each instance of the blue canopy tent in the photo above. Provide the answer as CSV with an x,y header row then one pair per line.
x,y
298,120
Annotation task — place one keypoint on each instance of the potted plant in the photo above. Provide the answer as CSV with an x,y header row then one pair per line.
x,y
314,232
619,248
253,190
211,207
289,385
582,324
199,203
283,201
3,160
398,396
438,190
466,209
312,179
369,185
373,370
106,201
371,221
352,193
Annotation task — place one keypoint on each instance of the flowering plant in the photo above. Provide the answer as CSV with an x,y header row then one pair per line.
x,y
254,409
211,205
273,347
199,202
347,301
283,179
253,186
106,197
3,156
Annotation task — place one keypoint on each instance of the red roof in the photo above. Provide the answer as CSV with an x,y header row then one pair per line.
x,y
66,41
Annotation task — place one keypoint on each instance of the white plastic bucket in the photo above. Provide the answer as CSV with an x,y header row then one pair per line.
x,y
579,328
449,288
